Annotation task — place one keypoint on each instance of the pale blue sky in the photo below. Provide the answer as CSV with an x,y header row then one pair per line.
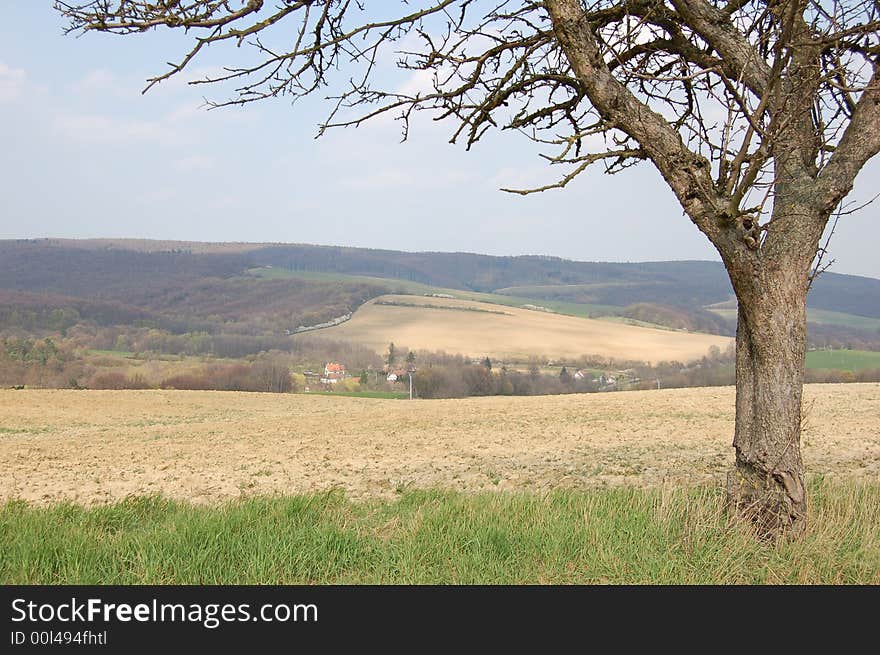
x,y
86,155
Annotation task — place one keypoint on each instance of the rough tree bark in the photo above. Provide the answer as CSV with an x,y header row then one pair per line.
x,y
769,265
767,482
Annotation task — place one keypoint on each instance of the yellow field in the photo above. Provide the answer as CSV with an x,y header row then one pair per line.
x,y
511,334
99,446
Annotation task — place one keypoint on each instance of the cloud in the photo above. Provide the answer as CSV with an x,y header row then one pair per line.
x,y
199,112
420,82
194,163
160,196
12,81
108,130
525,177
98,80
398,179
386,179
188,111
184,80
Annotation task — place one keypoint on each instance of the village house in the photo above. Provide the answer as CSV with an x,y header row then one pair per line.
x,y
397,374
333,373
606,380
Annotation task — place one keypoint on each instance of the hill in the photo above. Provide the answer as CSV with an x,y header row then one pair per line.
x,y
268,289
509,333
108,264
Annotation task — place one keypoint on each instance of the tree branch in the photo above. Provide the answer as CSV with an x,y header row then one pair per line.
x,y
739,58
860,142
687,173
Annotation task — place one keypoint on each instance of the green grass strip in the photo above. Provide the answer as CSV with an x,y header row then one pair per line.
x,y
623,535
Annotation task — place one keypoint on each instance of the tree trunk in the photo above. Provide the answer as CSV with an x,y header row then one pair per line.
x,y
767,483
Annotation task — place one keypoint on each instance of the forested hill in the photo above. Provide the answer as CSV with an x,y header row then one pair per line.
x,y
132,271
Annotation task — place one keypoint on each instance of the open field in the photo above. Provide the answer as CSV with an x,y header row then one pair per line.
x,y
509,333
839,318
622,536
823,316
103,446
843,360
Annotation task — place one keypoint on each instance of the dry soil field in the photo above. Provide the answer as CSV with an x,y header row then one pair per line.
x,y
97,446
508,333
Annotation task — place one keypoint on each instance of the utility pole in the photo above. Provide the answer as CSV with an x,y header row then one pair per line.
x,y
410,385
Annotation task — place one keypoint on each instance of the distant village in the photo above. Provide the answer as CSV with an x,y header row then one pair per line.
x,y
336,372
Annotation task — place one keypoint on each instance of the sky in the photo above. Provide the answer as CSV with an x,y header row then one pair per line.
x,y
86,155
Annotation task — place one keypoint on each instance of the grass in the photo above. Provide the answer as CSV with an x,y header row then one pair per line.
x,y
622,535
839,318
407,287
626,320
824,316
843,360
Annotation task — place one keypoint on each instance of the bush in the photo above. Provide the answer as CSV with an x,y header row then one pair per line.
x,y
262,375
114,380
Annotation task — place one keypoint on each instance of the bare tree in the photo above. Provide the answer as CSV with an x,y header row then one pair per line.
x,y
758,115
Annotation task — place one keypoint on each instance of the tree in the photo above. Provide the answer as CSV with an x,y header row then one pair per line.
x,y
564,376
391,356
758,115
534,372
272,376
410,360
487,363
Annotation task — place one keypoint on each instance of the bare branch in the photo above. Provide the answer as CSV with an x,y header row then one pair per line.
x,y
860,142
618,155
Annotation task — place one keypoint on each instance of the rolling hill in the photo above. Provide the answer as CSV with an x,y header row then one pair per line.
x,y
108,266
509,333
264,290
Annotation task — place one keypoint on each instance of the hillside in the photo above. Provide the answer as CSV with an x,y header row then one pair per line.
x,y
267,289
680,283
71,266
509,333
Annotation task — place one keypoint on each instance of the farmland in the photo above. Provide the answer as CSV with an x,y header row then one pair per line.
x,y
508,333
821,316
103,446
176,487
843,360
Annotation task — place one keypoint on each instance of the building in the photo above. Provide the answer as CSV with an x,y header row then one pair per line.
x,y
333,373
397,374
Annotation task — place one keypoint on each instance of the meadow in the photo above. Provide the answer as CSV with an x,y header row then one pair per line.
x,y
666,535
822,316
843,360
